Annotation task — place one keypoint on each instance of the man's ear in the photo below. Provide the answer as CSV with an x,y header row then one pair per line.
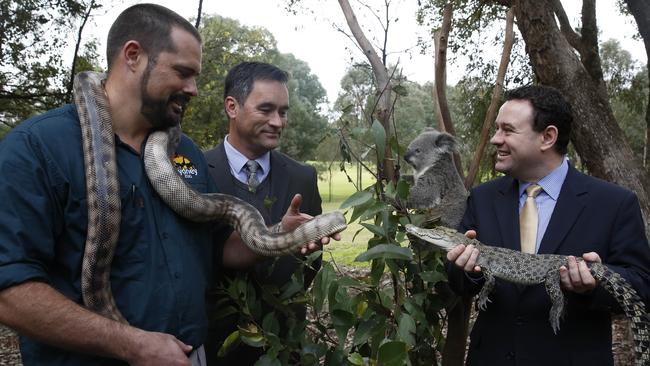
x,y
133,54
231,106
549,137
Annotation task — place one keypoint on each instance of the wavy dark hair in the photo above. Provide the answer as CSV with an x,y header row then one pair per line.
x,y
148,24
550,108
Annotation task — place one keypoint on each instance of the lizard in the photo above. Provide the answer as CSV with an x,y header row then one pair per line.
x,y
530,269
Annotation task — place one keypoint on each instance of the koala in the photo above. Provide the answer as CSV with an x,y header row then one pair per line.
x,y
437,186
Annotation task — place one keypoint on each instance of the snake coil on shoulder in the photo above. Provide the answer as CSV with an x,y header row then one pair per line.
x,y
104,209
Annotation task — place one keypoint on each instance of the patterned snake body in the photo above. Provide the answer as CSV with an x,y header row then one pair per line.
x,y
239,214
104,210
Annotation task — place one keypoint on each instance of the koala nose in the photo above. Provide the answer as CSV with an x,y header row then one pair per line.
x,y
407,156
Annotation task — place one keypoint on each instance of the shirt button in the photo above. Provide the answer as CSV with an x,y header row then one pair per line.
x,y
177,275
164,235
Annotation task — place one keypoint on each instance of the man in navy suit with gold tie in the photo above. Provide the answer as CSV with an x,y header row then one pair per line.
x,y
246,165
544,205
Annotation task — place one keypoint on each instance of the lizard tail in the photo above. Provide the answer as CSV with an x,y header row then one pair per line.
x,y
632,306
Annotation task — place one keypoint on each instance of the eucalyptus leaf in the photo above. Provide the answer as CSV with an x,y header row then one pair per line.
x,y
385,251
266,360
231,341
380,138
433,277
392,354
358,198
406,329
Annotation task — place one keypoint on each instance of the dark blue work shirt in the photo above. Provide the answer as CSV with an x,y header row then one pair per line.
x,y
161,264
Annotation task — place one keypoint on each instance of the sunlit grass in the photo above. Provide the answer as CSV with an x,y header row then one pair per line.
x,y
343,252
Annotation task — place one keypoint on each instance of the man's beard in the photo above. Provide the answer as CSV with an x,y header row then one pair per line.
x,y
158,111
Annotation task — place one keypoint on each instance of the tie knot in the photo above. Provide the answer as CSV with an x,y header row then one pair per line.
x,y
252,166
533,190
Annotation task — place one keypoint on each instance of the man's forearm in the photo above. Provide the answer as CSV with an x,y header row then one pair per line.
x,y
37,310
236,255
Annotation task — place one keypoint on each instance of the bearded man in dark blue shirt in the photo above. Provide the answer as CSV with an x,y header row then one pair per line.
x,y
162,261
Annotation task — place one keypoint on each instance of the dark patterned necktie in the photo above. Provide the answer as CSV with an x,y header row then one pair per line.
x,y
251,169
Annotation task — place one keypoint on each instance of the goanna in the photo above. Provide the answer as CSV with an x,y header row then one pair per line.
x,y
531,269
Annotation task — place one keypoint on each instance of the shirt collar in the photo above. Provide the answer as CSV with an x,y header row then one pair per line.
x,y
552,183
237,160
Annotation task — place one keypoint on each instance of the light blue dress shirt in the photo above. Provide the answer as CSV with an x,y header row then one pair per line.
x,y
546,199
237,162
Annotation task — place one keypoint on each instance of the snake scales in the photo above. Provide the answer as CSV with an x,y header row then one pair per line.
x,y
104,203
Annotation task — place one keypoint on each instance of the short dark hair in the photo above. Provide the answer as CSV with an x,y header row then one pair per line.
x,y
150,25
549,108
240,79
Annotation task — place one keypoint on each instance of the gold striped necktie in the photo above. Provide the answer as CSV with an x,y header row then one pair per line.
x,y
528,220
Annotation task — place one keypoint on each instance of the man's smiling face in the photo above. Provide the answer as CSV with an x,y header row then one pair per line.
x,y
518,145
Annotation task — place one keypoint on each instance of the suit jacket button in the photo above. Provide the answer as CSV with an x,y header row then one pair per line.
x,y
510,356
519,321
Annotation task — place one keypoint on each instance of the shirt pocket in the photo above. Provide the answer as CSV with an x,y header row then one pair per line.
x,y
132,246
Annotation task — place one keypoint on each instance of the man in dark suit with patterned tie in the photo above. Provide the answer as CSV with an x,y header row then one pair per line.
x,y
246,165
544,205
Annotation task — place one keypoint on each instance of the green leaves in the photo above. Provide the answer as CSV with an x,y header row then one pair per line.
x,y
379,134
392,354
321,285
385,251
357,199
406,329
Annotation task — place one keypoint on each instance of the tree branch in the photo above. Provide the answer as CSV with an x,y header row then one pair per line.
x,y
494,103
573,37
441,78
382,79
590,56
68,93
198,15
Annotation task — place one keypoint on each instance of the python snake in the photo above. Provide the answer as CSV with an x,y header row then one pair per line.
x,y
104,210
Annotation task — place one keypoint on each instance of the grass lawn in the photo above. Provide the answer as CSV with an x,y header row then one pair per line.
x,y
344,251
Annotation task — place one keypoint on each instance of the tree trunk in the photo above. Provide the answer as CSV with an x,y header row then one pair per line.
x,y
595,133
440,85
383,110
641,11
494,102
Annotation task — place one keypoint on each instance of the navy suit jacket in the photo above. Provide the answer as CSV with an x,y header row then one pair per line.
x,y
590,215
287,178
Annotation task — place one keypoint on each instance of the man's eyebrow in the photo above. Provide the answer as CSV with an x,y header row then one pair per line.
x,y
271,105
186,69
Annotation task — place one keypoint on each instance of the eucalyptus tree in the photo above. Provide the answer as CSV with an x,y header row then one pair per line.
x,y
34,38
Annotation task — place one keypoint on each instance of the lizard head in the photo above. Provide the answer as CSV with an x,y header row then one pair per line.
x,y
439,236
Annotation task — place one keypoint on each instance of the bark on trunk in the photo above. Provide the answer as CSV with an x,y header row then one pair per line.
x,y
596,135
641,11
440,85
494,102
383,110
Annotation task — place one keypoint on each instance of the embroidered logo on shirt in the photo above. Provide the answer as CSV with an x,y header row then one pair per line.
x,y
184,166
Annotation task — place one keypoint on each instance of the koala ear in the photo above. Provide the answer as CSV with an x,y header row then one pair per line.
x,y
446,142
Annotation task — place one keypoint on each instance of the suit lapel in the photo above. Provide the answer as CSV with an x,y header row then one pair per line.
x,y
220,170
506,207
568,207
280,181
